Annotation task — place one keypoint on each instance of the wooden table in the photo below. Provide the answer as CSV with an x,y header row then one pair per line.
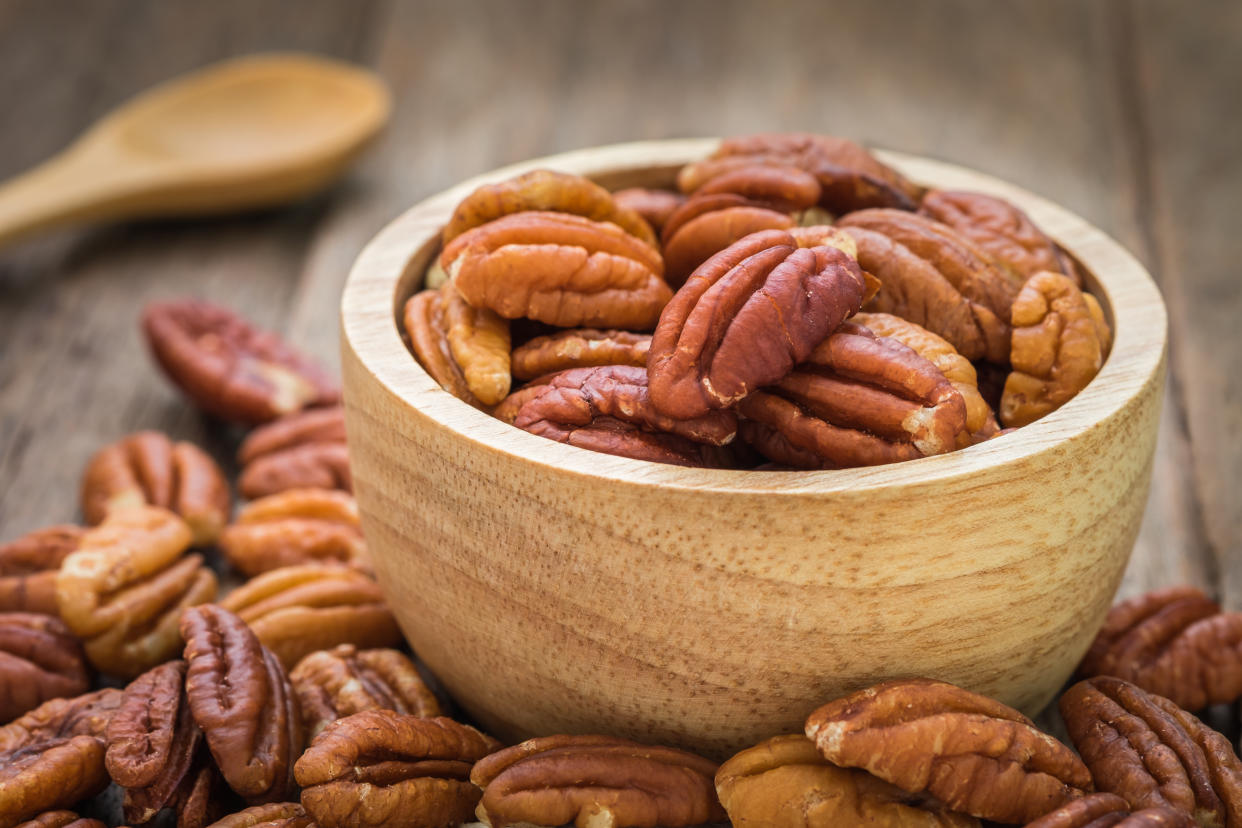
x,y
1125,112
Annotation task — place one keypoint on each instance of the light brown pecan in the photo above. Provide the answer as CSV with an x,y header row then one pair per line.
x,y
228,367
271,815
147,468
61,819
655,206
382,769
296,610
858,400
465,349
1057,349
332,684
851,177
1105,810
425,325
579,348
745,318
596,780
28,568
785,783
1001,230
561,269
239,695
296,526
1152,753
39,660
301,450
124,589
972,753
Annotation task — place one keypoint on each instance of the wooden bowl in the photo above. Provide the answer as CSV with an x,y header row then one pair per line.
x,y
555,589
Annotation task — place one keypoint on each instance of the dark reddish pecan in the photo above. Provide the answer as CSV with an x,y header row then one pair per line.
x,y
296,610
579,348
298,451
296,526
974,754
608,409
858,400
39,660
1152,753
198,800
28,568
60,719
851,177
655,206
61,819
228,367
124,589
596,780
147,468
271,815
1105,810
745,318
332,684
1001,230
935,277
1057,349
380,768
240,696
785,783
512,404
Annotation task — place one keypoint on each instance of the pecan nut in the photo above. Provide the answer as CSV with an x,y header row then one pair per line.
x,y
745,318
596,780
254,730
296,526
975,755
464,348
579,348
228,367
39,660
655,206
61,819
299,451
60,719
785,783
333,684
1105,810
147,468
381,768
271,815
1057,348
296,610
28,568
1152,753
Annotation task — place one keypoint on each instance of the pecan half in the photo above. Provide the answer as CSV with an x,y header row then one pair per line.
x,y
1152,753
427,329
61,819
509,407
579,348
298,451
785,783
745,318
1057,349
655,206
332,684
39,660
147,468
975,755
60,719
296,526
380,768
858,400
28,568
296,610
271,815
240,696
595,780
465,349
124,589
1105,810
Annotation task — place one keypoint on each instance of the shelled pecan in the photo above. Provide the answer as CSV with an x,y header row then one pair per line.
x,y
461,342
28,568
271,815
332,684
296,526
61,819
655,206
579,348
424,322
1105,810
39,660
301,450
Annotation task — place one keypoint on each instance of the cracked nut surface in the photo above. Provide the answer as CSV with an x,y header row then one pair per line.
x,y
28,568
858,400
296,610
333,684
240,697
382,768
299,451
296,526
148,469
579,348
39,660
124,588
1152,753
1058,347
228,367
596,781
745,318
270,815
655,206
972,753
784,783
1105,810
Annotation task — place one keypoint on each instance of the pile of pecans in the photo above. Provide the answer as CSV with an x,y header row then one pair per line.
x,y
796,293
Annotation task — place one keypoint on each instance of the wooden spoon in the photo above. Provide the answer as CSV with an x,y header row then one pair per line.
x,y
250,132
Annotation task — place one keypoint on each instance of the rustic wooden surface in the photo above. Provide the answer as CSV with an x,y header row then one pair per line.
x,y
1125,112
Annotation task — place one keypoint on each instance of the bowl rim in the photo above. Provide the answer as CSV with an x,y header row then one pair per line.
x,y
370,308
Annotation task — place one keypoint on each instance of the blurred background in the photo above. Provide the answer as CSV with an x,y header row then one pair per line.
x,y
1125,112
